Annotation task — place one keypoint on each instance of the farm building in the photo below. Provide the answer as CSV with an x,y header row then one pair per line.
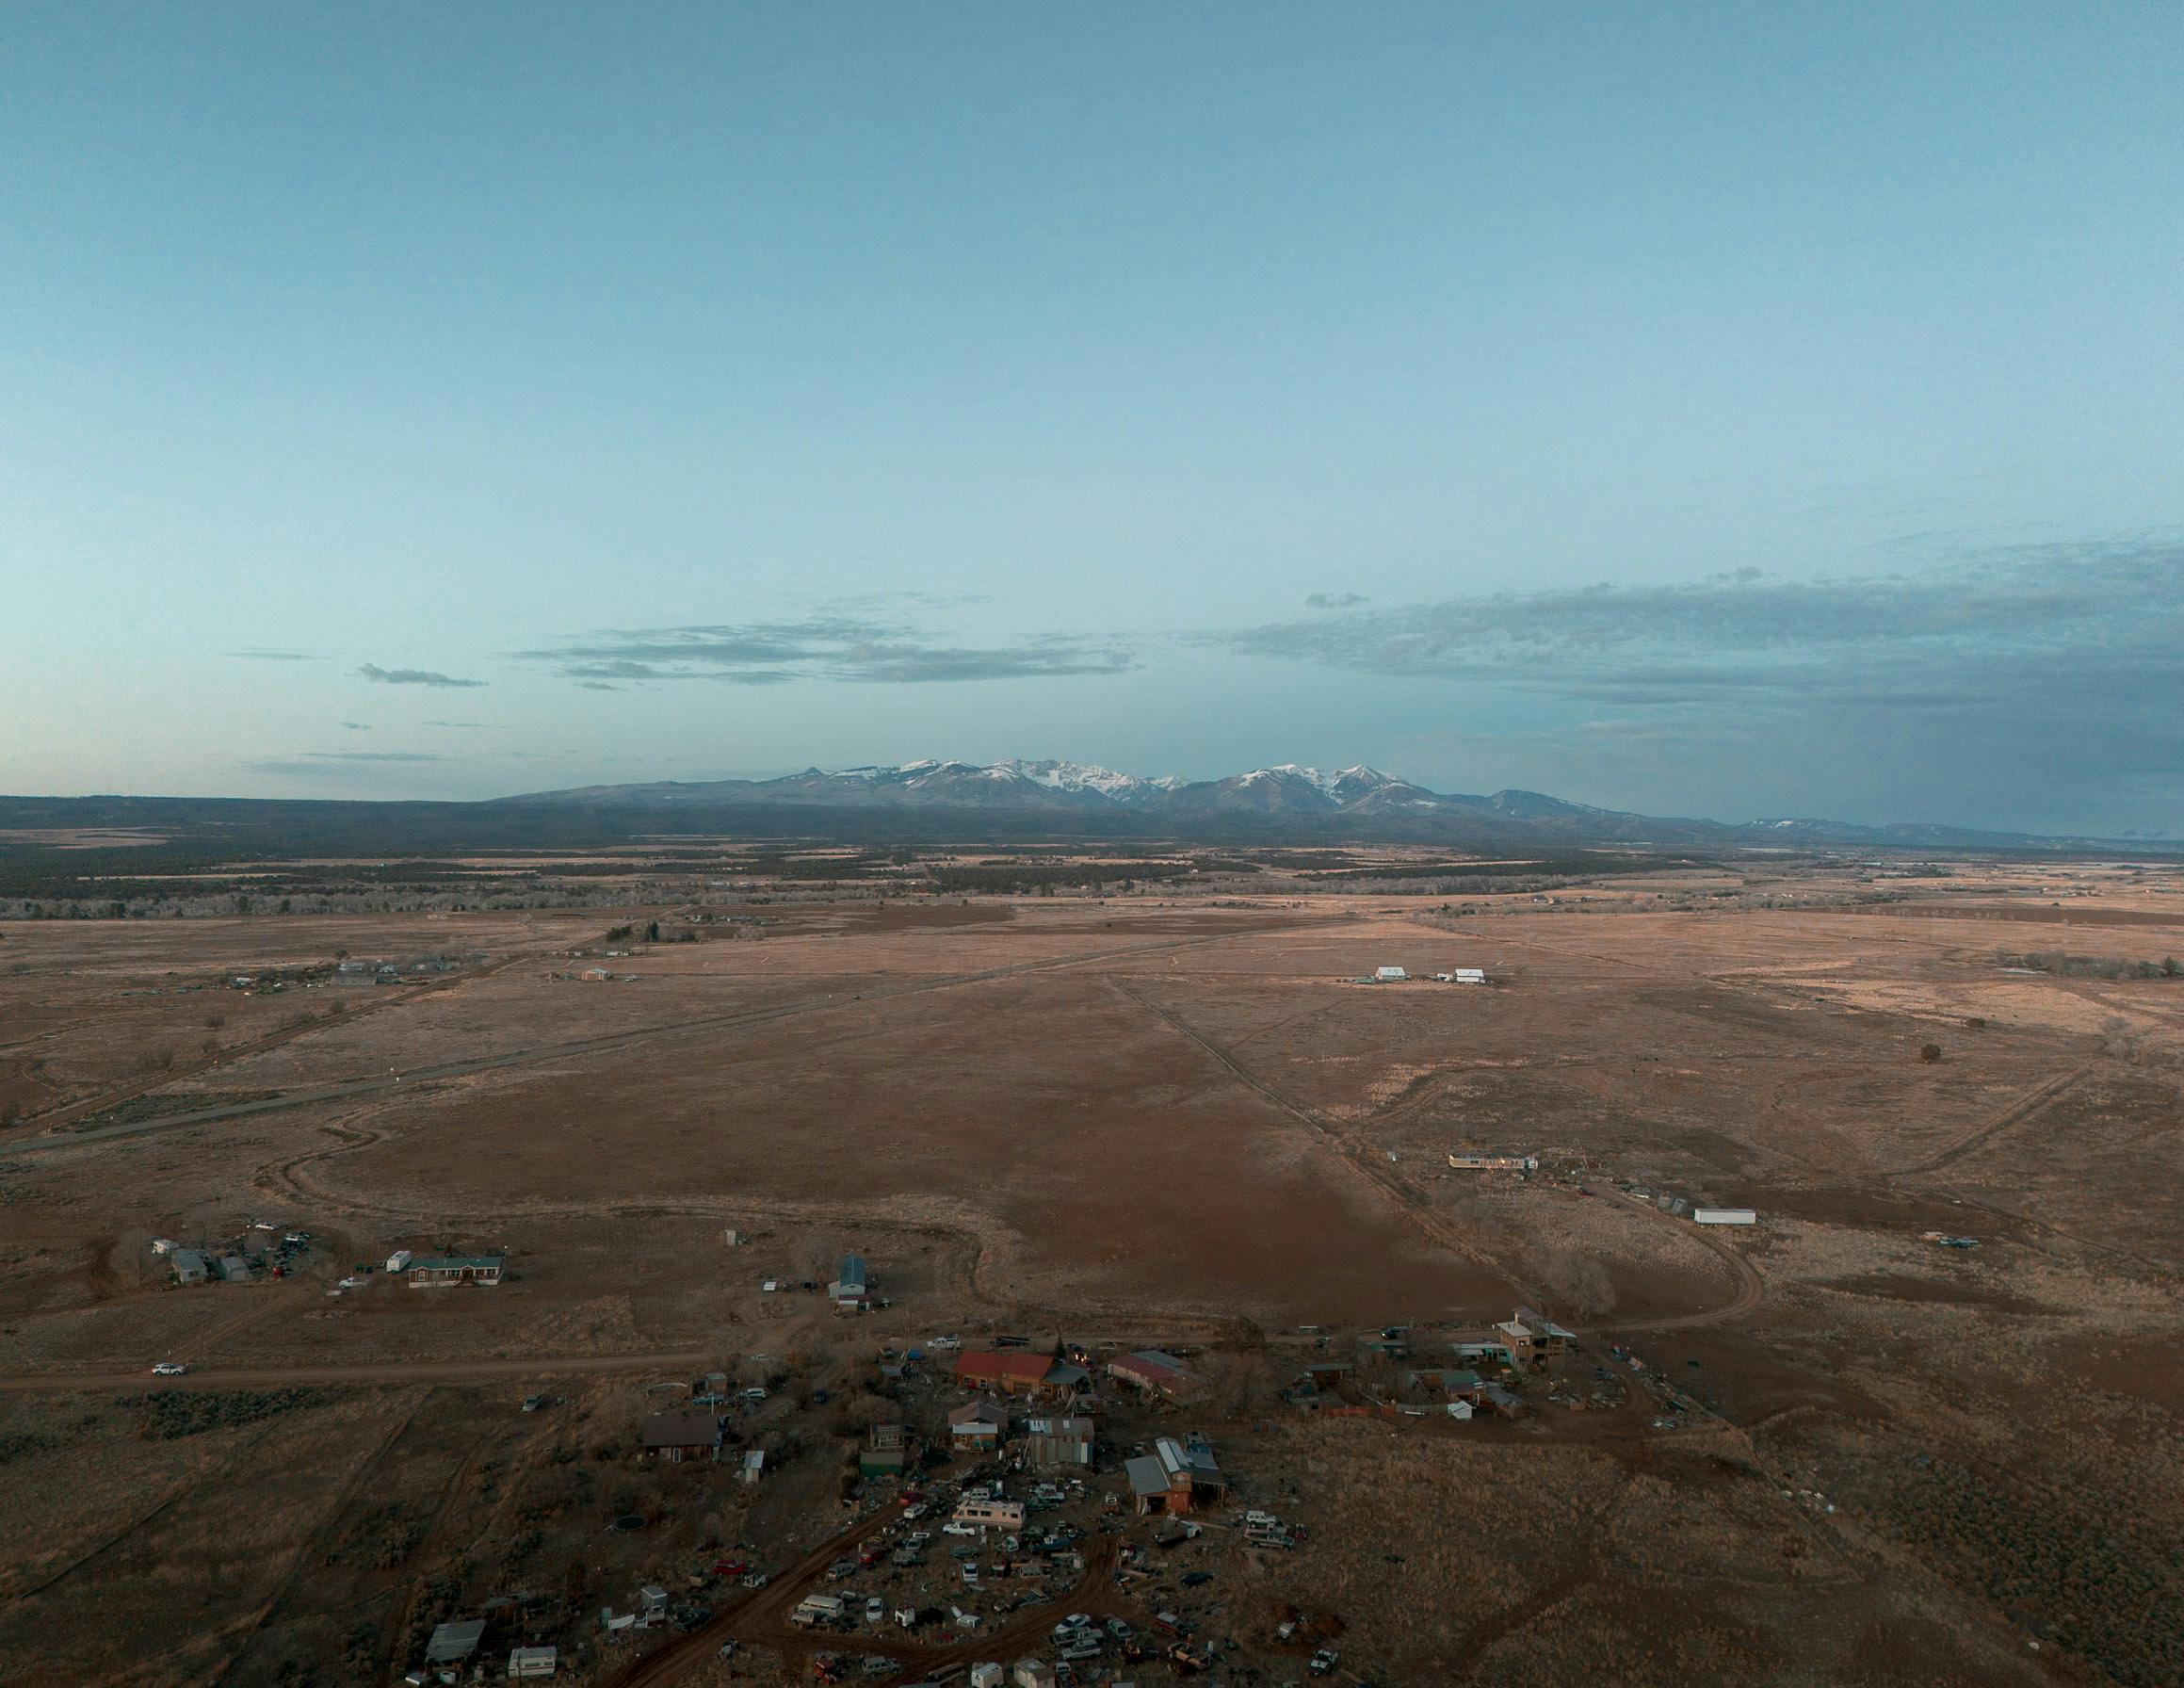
x,y
851,1290
1388,975
676,1436
1058,1441
1470,1161
1155,1372
1503,1401
439,1271
1723,1216
189,1266
981,1424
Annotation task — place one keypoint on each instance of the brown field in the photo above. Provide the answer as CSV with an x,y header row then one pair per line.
x,y
1153,1118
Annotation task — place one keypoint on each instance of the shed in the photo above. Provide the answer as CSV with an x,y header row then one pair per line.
x,y
1388,975
533,1661
190,1267
453,1643
1033,1673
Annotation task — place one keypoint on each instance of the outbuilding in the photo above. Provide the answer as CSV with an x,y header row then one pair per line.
x,y
1723,1216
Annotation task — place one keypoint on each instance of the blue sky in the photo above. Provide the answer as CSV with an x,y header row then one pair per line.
x,y
1724,409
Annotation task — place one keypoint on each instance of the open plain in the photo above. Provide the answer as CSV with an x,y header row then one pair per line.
x,y
1176,1117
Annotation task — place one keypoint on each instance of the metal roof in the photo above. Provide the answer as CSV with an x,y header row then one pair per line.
x,y
1147,1475
453,1643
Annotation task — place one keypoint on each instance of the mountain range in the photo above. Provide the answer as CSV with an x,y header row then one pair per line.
x,y
1287,800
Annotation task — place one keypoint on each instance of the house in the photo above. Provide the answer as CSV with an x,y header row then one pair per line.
x,y
981,1424
1155,1372
533,1661
1388,975
677,1437
1503,1401
233,1268
439,1271
884,1451
1175,1476
1518,1338
1329,1374
1550,1338
189,1266
852,1291
1032,1673
1474,1161
1058,1441
1017,1373
451,1644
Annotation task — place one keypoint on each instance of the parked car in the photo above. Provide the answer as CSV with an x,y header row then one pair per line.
x,y
168,1369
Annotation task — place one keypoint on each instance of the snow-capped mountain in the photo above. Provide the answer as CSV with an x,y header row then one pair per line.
x,y
1022,796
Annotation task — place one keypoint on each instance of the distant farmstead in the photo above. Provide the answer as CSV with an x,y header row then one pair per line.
x,y
441,1271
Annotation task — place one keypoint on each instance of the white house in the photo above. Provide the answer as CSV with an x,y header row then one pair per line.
x,y
1388,975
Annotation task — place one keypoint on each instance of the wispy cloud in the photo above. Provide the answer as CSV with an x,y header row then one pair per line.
x,y
255,655
857,650
373,756
358,727
1335,600
411,677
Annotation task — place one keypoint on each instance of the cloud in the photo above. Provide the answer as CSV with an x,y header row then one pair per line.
x,y
599,686
494,725
1336,600
2035,686
255,655
373,756
411,676
358,727
831,646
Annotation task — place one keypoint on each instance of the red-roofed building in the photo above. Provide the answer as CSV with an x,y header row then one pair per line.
x,y
1012,1374
1155,1372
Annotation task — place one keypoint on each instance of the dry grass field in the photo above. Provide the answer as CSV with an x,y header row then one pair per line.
x,y
1152,1118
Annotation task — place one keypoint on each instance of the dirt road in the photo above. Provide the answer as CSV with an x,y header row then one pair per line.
x,y
272,1377
1750,1287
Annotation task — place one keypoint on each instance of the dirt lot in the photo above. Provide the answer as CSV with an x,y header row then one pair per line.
x,y
1854,1454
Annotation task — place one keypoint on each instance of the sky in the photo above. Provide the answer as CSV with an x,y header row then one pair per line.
x,y
1706,410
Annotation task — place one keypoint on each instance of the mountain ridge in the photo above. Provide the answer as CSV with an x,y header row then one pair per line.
x,y
1360,799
